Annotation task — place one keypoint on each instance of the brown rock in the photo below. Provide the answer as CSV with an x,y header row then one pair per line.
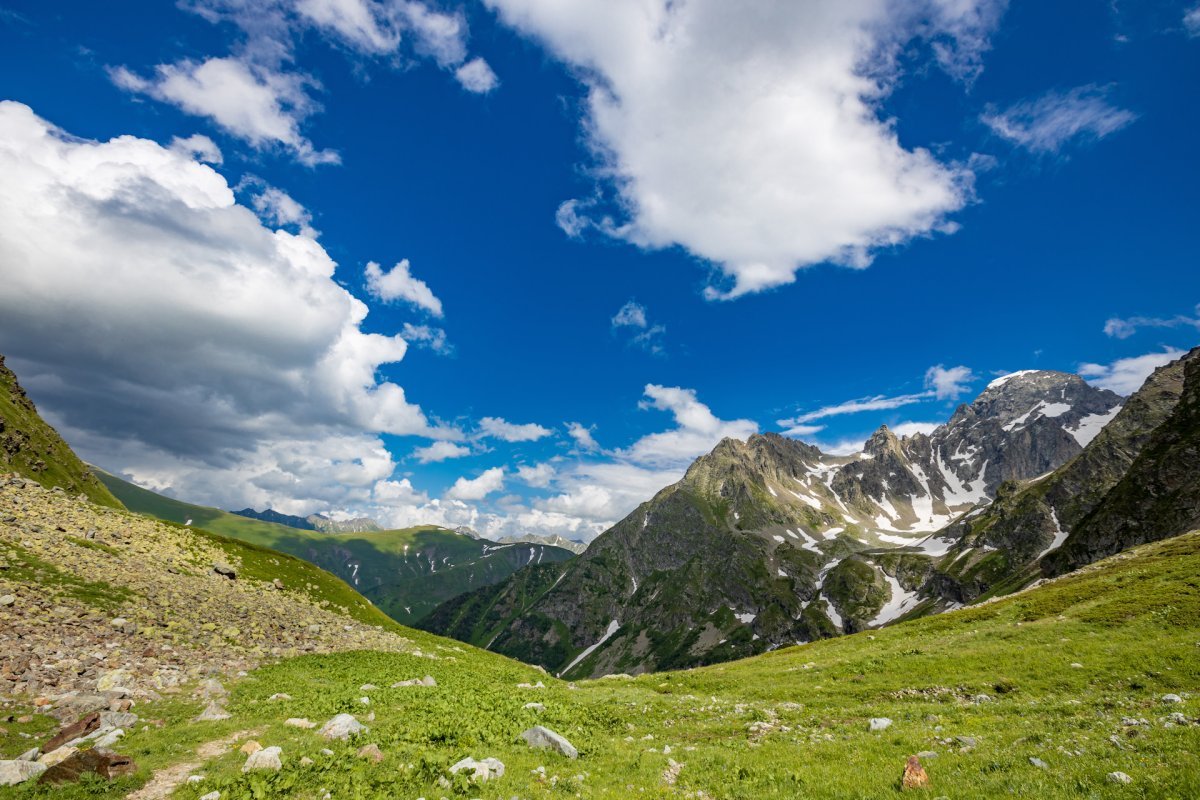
x,y
915,776
104,763
81,727
251,747
371,752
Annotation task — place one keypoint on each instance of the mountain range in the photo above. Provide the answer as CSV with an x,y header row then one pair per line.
x,y
771,542
406,573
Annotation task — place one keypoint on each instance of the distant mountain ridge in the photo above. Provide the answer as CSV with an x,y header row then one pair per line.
x,y
313,522
770,541
405,573
554,540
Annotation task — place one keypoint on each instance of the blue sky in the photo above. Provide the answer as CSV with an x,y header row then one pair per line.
x,y
664,226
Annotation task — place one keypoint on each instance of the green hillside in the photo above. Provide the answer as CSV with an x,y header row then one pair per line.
x,y
33,449
1072,674
405,573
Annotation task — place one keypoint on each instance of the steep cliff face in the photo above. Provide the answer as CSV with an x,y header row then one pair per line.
x,y
1157,497
770,541
1057,520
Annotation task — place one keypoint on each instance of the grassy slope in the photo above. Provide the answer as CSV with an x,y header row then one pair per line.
x,y
30,447
1132,622
390,571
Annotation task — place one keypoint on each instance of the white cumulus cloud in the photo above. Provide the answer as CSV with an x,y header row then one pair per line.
x,y
948,383
489,481
476,76
263,106
753,136
175,338
440,451
398,283
697,430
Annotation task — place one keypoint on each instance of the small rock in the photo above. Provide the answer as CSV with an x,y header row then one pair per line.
x,y
366,701
279,696
211,796
426,681
58,755
278,584
371,752
915,776
538,707
118,719
481,771
982,698
195,778
1118,777
541,737
368,687
211,687
1178,719
265,759
306,762
1076,665
1172,698
8,600
1037,762
212,713
343,726
250,748
112,679
224,570
880,723
14,772
109,739
927,754
299,722
968,742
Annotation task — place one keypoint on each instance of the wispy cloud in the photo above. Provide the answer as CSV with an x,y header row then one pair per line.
x,y
427,336
632,318
1045,124
1124,327
499,428
1191,21
1126,375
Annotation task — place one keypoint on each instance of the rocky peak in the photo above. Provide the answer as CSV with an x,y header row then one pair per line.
x,y
882,442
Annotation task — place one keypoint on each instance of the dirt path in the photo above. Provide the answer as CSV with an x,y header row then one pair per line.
x,y
166,780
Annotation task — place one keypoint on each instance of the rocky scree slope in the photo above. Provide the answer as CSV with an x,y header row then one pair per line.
x,y
96,601
1138,480
770,541
30,447
405,573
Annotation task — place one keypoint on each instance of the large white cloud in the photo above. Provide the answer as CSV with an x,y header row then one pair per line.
x,y
178,339
753,135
